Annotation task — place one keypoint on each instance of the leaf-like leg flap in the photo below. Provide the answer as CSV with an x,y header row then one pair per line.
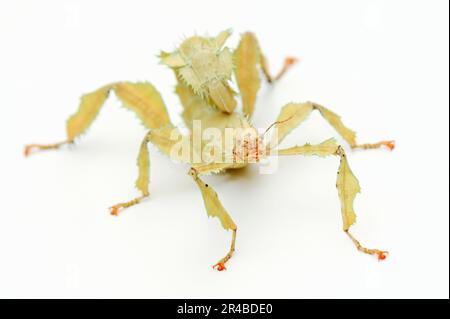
x,y
293,114
141,98
326,148
90,106
214,208
213,205
143,180
246,58
164,138
347,185
347,134
143,163
78,123
145,101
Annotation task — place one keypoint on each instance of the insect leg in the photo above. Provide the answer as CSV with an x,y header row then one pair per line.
x,y
293,114
346,133
347,185
247,56
28,148
142,98
214,208
90,105
249,44
143,180
164,139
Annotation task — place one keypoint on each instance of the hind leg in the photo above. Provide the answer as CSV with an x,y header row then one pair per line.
x,y
78,123
146,102
142,98
247,57
30,147
143,163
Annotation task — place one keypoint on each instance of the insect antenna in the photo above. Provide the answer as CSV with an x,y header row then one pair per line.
x,y
273,124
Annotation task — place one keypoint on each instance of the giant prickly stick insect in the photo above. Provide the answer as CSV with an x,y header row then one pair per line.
x,y
204,70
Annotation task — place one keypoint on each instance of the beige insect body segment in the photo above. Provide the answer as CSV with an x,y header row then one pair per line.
x,y
221,133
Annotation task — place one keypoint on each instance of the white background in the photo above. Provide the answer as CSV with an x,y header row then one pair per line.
x,y
381,65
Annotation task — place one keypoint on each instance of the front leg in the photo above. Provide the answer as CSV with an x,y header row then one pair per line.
x,y
214,208
293,115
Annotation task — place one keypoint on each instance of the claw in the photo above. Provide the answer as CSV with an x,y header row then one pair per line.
x,y
220,266
389,144
114,210
382,255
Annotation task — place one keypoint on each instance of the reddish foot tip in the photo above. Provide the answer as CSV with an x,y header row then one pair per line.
x,y
27,150
291,60
390,145
219,266
114,210
382,255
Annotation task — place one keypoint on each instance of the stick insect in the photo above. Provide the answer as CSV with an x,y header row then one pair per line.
x,y
206,72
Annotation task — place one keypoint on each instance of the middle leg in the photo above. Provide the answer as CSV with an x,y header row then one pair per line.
x,y
143,180
163,139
